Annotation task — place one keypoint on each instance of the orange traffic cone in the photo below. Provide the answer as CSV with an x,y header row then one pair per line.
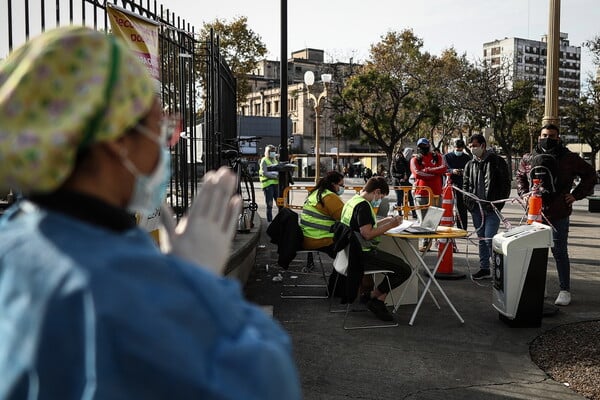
x,y
445,270
534,209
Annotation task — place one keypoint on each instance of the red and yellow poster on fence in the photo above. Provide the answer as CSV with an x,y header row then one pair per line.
x,y
140,34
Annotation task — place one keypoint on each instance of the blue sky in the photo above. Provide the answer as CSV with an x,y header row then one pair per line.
x,y
347,28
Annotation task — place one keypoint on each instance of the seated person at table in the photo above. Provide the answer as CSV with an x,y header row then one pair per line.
x,y
322,208
359,215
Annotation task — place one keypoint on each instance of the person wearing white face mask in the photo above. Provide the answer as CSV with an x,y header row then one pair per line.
x,y
488,178
82,286
322,208
269,180
455,161
359,215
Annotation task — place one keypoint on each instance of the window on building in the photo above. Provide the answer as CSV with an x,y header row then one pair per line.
x,y
257,109
294,127
268,108
276,107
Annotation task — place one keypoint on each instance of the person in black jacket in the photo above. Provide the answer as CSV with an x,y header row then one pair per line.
x,y
558,167
486,177
400,173
456,161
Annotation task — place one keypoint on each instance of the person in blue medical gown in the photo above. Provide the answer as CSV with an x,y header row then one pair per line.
x,y
90,307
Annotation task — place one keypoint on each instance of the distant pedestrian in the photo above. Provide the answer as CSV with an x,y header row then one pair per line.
x,y
456,161
487,177
558,167
400,174
269,179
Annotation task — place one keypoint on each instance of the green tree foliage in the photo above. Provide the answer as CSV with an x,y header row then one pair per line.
x,y
387,99
240,47
447,95
584,119
502,104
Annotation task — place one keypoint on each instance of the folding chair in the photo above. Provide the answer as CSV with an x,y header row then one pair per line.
x,y
372,273
316,256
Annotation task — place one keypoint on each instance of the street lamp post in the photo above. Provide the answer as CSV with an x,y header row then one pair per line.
x,y
309,80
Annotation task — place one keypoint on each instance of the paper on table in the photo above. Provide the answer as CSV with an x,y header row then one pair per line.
x,y
401,227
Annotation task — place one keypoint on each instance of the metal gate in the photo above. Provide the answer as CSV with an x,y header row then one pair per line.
x,y
198,150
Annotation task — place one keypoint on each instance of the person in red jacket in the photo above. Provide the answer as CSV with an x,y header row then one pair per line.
x,y
428,168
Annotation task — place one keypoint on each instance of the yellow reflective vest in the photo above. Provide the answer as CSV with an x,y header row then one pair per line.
x,y
264,180
348,210
313,222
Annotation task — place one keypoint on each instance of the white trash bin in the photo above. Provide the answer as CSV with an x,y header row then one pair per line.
x,y
520,260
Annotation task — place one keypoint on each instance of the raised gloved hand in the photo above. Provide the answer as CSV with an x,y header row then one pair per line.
x,y
205,234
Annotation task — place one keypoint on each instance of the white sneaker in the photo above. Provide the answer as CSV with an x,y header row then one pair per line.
x,y
563,299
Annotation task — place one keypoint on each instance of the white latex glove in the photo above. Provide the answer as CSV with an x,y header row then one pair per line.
x,y
205,234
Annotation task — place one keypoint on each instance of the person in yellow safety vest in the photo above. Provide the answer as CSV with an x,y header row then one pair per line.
x,y
269,180
321,209
359,215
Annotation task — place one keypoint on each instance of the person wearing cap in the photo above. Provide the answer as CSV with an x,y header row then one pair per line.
x,y
89,305
486,177
455,161
269,179
428,169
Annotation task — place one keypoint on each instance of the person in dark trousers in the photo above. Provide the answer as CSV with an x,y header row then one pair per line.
x,y
552,162
400,174
456,161
269,180
487,177
359,215
428,168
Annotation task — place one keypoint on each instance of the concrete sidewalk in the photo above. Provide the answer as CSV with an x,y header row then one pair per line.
x,y
438,357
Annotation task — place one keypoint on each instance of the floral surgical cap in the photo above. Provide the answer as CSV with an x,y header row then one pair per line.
x,y
60,92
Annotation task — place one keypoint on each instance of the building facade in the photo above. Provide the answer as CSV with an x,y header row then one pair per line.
x,y
527,60
264,100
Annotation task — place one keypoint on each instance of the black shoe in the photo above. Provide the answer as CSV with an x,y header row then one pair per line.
x,y
364,298
380,310
482,274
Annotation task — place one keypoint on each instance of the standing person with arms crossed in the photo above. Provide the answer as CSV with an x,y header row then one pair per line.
x,y
557,167
359,215
269,180
428,168
322,208
456,161
487,177
90,308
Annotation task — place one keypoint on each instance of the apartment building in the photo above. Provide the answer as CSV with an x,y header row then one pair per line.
x,y
527,59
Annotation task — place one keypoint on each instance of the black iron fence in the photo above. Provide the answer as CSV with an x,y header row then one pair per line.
x,y
181,55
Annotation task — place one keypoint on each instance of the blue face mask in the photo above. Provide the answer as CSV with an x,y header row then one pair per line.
x,y
376,203
340,191
272,154
458,152
149,190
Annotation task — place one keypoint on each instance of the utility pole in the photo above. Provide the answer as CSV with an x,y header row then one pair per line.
x,y
552,63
